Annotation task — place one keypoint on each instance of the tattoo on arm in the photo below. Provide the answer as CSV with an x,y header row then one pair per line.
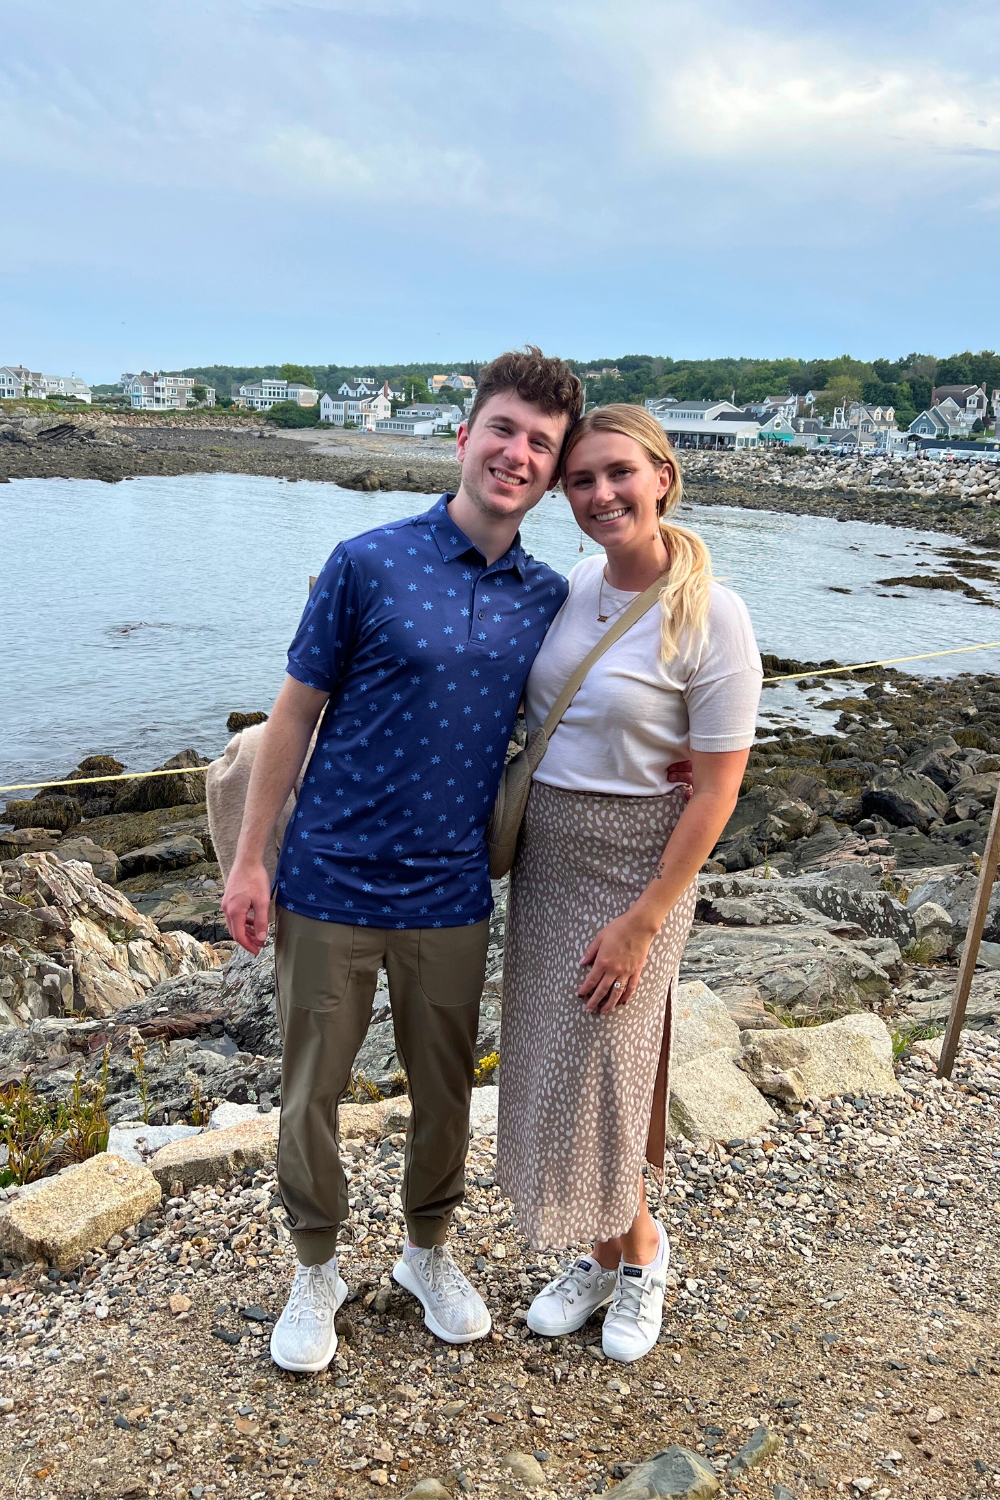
x,y
658,872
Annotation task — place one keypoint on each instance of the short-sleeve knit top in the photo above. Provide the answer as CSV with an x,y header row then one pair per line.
x,y
634,715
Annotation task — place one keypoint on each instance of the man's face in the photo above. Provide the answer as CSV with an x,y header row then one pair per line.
x,y
510,455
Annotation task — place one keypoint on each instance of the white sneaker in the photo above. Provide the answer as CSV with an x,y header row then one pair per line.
x,y
453,1309
304,1337
568,1301
633,1320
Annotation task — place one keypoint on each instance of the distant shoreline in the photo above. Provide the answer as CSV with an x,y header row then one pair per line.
x,y
101,448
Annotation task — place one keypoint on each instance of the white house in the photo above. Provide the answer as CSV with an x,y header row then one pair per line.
x,y
404,426
685,412
262,395
439,413
163,392
363,411
67,385
358,388
732,429
773,406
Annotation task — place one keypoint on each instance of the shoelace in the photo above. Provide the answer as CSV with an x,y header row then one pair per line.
x,y
630,1296
571,1283
310,1294
443,1276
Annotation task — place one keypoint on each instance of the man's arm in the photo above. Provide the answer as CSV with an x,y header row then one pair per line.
x,y
247,899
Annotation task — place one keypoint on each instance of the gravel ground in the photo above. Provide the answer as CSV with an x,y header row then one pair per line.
x,y
836,1282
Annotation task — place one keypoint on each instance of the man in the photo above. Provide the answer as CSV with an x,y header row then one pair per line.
x,y
414,646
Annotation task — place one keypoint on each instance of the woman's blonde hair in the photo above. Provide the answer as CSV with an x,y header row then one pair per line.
x,y
686,596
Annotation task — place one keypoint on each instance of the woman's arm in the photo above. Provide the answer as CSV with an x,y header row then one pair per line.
x,y
619,950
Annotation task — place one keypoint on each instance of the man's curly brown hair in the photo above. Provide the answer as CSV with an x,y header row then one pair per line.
x,y
545,382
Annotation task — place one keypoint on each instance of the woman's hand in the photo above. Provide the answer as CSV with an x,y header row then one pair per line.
x,y
616,958
682,772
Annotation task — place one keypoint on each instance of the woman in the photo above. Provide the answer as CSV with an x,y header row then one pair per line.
x,y
603,890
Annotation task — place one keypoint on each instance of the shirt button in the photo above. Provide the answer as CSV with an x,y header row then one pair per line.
x,y
481,615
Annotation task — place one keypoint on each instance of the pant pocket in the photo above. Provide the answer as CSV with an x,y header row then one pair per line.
x,y
451,963
312,962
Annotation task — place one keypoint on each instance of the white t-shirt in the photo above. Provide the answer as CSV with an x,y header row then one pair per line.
x,y
634,716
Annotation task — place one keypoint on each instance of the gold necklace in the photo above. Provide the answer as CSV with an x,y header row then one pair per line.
x,y
604,618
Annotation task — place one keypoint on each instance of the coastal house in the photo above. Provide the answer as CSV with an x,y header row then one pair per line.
x,y
692,411
452,382
18,382
772,406
777,428
865,418
360,411
266,392
404,426
422,420
968,398
161,391
67,385
944,420
443,415
705,424
364,386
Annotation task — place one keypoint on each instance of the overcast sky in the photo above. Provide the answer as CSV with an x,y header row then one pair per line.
x,y
248,181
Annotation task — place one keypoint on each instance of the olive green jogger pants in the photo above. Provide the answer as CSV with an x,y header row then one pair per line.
x,y
327,974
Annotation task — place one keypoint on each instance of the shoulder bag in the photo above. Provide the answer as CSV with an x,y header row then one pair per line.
x,y
504,826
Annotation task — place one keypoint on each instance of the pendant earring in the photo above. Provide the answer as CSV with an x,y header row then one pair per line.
x,y
581,540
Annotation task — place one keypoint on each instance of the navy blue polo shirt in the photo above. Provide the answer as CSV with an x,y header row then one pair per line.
x,y
424,650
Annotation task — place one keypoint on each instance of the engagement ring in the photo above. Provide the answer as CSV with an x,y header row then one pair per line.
x,y
617,985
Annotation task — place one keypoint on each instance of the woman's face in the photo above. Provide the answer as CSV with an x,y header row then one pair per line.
x,y
614,488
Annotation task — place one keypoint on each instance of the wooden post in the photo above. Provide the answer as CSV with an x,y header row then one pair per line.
x,y
977,921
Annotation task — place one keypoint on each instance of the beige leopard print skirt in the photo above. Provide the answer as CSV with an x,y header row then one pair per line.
x,y
583,1098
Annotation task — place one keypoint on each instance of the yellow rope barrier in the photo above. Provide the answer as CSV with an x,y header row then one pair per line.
x,y
28,786
861,666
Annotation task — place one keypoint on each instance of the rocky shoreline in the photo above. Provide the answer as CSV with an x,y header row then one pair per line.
x,y
921,492
831,1306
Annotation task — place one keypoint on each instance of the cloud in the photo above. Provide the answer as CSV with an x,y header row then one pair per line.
x,y
585,168
306,159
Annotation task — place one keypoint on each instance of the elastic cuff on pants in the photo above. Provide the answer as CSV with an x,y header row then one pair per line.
x,y
314,1246
426,1233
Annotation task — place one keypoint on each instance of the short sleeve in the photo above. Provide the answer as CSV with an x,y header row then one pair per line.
x,y
329,626
723,692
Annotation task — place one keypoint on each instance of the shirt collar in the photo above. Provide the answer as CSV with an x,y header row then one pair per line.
x,y
452,541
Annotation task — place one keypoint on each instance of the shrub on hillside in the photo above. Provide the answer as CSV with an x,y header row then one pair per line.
x,y
290,414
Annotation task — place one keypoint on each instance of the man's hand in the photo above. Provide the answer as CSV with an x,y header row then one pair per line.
x,y
246,904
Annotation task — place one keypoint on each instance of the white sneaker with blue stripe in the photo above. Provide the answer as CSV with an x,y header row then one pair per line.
x,y
568,1301
633,1321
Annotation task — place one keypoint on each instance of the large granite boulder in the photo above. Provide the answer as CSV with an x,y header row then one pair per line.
x,y
799,971
850,1056
168,854
765,820
68,941
905,799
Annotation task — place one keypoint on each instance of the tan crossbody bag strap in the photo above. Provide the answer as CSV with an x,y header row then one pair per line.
x,y
639,606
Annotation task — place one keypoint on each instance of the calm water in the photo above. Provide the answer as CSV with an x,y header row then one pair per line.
x,y
134,617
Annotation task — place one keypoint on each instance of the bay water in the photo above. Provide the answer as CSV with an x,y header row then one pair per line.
x,y
134,617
